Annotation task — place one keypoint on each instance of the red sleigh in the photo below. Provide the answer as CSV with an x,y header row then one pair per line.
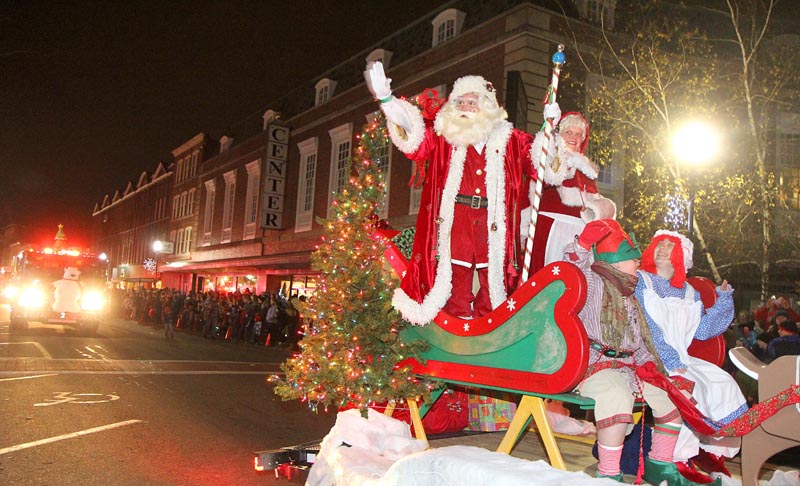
x,y
533,344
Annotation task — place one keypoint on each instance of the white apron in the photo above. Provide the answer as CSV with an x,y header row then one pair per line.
x,y
715,391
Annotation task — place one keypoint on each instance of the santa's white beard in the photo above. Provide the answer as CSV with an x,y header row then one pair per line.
x,y
465,128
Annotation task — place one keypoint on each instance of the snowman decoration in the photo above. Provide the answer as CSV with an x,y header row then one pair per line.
x,y
68,292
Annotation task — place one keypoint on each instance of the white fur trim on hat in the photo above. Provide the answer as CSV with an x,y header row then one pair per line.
x,y
686,245
474,84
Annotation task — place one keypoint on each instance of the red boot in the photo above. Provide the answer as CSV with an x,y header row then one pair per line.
x,y
711,463
693,475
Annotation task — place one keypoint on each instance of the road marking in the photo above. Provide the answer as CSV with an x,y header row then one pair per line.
x,y
38,346
64,397
27,377
57,438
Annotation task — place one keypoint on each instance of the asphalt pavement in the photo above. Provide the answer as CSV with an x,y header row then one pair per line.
x,y
128,407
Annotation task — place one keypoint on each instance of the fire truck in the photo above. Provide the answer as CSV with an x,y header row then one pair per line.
x,y
38,275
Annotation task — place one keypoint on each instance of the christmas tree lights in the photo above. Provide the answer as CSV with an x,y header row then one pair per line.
x,y
349,356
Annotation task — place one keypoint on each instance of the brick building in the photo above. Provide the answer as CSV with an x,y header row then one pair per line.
x,y
242,212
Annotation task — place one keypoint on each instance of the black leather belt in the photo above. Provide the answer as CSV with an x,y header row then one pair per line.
x,y
609,352
475,202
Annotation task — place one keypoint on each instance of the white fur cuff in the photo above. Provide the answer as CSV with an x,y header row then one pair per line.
x,y
408,141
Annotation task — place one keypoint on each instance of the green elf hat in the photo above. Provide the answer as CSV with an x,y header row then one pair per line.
x,y
616,246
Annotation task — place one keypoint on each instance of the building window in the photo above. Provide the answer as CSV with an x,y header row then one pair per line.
x,y
195,157
341,138
225,143
787,157
447,25
176,206
182,212
384,165
161,209
178,241
380,55
324,89
208,213
187,239
598,11
305,193
190,202
228,207
416,197
251,209
605,176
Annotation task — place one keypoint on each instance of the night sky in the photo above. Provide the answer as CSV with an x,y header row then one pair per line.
x,y
94,93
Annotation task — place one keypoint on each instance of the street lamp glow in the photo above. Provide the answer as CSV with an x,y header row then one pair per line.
x,y
695,143
158,246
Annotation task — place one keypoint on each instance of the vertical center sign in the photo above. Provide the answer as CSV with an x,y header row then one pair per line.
x,y
274,177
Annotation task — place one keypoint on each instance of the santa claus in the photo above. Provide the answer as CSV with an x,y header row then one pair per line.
x,y
476,186
570,198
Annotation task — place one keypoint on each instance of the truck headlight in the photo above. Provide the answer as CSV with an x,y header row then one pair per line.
x,y
92,301
10,292
31,297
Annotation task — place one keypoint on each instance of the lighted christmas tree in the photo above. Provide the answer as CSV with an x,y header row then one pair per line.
x,y
349,357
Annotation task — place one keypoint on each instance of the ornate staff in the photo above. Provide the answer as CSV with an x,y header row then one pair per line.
x,y
547,127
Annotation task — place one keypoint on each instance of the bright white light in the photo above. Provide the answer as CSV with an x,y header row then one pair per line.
x,y
103,256
158,246
31,297
10,292
695,143
92,301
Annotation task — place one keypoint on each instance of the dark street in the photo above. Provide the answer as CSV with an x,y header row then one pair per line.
x,y
129,408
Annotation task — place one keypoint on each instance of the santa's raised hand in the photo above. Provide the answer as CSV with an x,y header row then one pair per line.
x,y
379,85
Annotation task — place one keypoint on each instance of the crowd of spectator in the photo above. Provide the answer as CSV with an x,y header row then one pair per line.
x,y
241,316
769,332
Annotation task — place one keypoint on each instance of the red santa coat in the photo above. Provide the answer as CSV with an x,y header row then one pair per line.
x,y
427,283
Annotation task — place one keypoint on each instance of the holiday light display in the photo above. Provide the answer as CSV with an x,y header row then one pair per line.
x,y
677,214
348,355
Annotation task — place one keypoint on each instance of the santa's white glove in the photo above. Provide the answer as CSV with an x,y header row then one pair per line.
x,y
377,82
552,110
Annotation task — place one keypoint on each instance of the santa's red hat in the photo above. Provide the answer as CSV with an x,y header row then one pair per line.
x,y
681,256
575,119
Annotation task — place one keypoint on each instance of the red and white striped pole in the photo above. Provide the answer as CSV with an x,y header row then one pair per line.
x,y
547,127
